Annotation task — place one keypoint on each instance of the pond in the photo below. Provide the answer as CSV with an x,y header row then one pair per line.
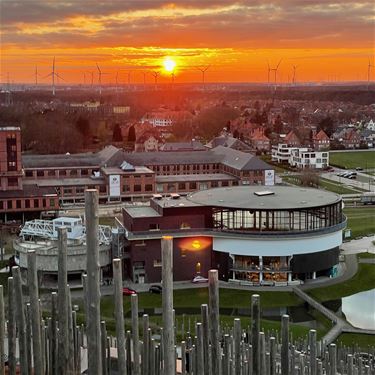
x,y
359,309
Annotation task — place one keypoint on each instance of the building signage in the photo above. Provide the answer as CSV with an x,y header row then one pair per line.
x,y
114,185
269,177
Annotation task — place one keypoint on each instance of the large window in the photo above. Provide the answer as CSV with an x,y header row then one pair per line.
x,y
278,220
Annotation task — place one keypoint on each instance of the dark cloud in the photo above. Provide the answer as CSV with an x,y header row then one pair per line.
x,y
250,24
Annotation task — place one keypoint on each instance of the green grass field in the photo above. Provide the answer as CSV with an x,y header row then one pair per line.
x,y
351,160
363,280
361,221
325,184
365,342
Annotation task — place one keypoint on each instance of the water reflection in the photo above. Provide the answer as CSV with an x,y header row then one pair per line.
x,y
359,309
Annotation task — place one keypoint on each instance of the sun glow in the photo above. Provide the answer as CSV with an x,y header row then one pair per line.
x,y
169,64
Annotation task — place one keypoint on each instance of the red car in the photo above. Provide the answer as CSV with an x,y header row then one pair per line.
x,y
128,291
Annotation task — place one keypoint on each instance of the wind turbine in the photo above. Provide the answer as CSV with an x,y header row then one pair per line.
x,y
275,72
92,77
294,74
203,71
53,74
268,73
155,75
100,78
36,74
144,79
117,80
369,66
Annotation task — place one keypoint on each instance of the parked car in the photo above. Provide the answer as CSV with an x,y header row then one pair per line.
x,y
199,279
359,169
155,289
352,176
128,291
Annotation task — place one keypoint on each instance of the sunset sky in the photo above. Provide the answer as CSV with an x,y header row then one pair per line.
x,y
326,39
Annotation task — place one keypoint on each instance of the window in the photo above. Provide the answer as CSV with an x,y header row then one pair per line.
x,y
36,203
29,173
214,184
224,183
67,191
149,187
159,188
18,203
12,181
51,173
52,202
185,226
182,186
137,188
27,203
1,205
10,204
73,172
157,263
170,187
125,188
102,189
153,226
40,173
62,172
12,166
80,190
192,185
140,243
84,172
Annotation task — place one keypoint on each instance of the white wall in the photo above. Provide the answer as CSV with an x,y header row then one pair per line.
x,y
278,247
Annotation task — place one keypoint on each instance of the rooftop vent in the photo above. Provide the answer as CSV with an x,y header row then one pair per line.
x,y
264,193
125,166
157,196
175,196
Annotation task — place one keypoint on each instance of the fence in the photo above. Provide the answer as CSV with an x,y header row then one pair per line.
x,y
57,344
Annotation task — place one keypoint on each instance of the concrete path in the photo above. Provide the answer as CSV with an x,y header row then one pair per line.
x,y
340,325
363,245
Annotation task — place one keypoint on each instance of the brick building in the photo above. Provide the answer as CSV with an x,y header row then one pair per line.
x,y
40,182
16,198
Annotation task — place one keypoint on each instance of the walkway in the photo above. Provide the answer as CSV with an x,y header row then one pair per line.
x,y
340,325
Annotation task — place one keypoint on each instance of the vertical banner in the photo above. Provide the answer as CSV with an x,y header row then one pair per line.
x,y
114,185
269,177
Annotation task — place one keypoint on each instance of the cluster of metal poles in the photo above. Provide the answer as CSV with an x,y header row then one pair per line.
x,y
54,343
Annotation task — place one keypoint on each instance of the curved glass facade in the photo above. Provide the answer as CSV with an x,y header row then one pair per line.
x,y
316,218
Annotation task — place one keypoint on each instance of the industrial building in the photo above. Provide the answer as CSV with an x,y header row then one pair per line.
x,y
31,184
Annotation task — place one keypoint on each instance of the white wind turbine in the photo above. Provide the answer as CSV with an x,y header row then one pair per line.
x,y
53,74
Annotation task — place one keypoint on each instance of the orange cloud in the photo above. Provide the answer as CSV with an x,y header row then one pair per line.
x,y
236,38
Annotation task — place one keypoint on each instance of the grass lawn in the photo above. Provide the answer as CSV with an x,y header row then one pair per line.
x,y
351,160
325,184
353,339
107,220
366,255
361,221
363,280
4,277
193,298
336,187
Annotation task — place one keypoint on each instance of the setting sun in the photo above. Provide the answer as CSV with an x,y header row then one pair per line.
x,y
169,64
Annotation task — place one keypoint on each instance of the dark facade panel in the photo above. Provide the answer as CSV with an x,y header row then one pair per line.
x,y
319,261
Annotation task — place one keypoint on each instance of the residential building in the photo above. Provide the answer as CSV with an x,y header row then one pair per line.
x,y
300,157
303,158
321,141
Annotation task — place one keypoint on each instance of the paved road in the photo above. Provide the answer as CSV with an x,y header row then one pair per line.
x,y
352,183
